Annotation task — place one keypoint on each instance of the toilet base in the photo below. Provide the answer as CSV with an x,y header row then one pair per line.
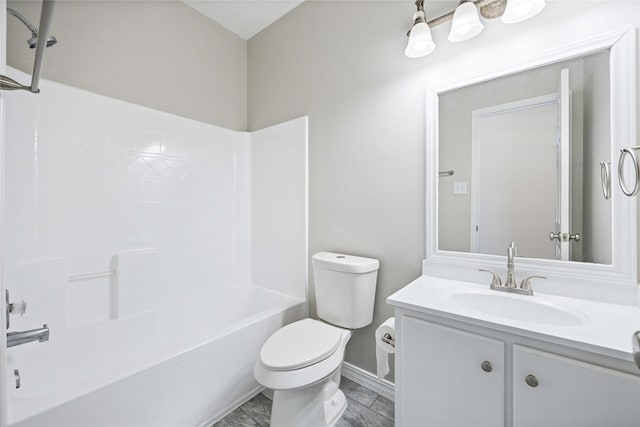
x,y
317,405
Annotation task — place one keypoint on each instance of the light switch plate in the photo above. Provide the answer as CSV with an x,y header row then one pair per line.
x,y
459,188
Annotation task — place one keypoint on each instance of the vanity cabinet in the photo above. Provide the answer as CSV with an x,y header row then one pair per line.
x,y
555,391
452,374
450,377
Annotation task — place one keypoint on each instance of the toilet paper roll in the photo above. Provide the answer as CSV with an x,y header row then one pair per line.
x,y
383,349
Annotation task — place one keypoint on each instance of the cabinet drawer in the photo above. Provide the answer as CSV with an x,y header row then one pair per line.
x,y
565,392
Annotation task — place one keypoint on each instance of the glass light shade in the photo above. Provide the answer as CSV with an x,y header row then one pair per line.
x,y
520,10
420,41
466,23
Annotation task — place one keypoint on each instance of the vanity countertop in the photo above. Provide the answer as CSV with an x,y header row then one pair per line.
x,y
587,325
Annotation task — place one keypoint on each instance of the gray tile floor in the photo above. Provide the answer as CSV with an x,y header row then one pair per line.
x,y
365,408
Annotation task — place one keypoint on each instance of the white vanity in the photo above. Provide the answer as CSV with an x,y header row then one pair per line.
x,y
467,355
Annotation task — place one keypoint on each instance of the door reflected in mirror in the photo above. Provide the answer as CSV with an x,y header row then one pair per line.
x,y
525,151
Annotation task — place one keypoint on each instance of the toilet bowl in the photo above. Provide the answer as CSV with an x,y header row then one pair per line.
x,y
302,361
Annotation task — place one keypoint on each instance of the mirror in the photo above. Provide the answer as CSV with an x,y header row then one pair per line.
x,y
520,160
525,142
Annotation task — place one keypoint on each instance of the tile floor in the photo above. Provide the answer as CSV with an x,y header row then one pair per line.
x,y
365,408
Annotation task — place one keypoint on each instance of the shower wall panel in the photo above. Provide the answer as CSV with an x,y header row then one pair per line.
x,y
112,210
140,237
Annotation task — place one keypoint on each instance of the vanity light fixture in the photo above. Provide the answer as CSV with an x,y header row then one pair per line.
x,y
465,23
420,41
520,10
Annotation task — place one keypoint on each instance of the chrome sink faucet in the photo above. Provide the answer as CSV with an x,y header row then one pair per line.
x,y
510,284
512,252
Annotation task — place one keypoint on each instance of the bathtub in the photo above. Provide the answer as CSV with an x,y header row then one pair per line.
x,y
170,366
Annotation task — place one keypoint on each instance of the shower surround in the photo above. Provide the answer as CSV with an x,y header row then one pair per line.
x,y
153,246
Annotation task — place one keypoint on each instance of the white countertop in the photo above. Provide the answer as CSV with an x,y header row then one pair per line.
x,y
603,328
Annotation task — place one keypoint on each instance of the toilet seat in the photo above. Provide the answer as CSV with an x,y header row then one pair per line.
x,y
304,376
300,344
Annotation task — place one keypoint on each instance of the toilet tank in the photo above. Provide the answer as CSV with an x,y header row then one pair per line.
x,y
345,288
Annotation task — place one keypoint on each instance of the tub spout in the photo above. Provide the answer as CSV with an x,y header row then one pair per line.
x,y
23,337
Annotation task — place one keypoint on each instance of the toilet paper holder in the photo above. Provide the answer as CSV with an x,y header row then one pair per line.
x,y
387,338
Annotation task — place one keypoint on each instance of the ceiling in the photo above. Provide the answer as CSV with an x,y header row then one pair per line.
x,y
246,18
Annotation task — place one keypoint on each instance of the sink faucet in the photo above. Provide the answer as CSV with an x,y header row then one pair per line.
x,y
510,284
512,252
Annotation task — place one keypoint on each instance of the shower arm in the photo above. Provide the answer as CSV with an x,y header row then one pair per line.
x,y
21,18
7,83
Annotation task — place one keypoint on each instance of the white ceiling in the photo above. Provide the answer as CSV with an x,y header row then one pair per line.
x,y
246,18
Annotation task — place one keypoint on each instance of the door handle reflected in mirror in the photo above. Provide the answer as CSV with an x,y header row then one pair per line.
x,y
564,237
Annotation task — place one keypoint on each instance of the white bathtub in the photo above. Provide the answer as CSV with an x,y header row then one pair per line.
x,y
172,366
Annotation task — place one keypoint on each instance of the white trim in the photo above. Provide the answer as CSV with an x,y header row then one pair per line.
x,y
623,270
230,408
4,386
562,53
367,379
564,188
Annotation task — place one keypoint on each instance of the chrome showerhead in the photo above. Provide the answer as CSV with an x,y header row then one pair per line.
x,y
51,40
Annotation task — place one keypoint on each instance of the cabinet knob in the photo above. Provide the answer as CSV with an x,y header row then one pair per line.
x,y
531,380
486,366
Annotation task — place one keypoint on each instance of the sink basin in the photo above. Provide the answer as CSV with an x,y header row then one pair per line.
x,y
518,308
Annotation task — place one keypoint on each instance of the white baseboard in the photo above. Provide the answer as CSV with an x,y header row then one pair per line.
x,y
232,407
368,380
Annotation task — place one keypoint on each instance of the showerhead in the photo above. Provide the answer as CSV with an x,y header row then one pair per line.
x,y
51,40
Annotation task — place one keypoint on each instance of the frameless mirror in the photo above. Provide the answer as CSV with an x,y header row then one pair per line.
x,y
526,157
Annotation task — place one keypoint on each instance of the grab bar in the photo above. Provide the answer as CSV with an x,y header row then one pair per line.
x,y
90,276
7,83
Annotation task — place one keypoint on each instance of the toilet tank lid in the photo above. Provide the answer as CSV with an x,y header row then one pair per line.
x,y
344,263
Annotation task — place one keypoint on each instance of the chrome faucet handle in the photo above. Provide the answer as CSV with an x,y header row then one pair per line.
x,y
19,307
526,283
495,280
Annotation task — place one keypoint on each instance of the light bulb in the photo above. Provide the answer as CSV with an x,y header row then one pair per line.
x,y
420,41
520,10
466,23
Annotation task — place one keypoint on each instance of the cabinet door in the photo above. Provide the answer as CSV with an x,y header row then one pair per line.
x,y
441,378
571,393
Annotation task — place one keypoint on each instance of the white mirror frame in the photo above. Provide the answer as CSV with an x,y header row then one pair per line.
x,y
623,269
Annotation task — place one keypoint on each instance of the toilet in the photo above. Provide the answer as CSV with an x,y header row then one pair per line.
x,y
301,362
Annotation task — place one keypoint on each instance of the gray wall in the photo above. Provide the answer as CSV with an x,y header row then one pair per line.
x,y
160,54
342,63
